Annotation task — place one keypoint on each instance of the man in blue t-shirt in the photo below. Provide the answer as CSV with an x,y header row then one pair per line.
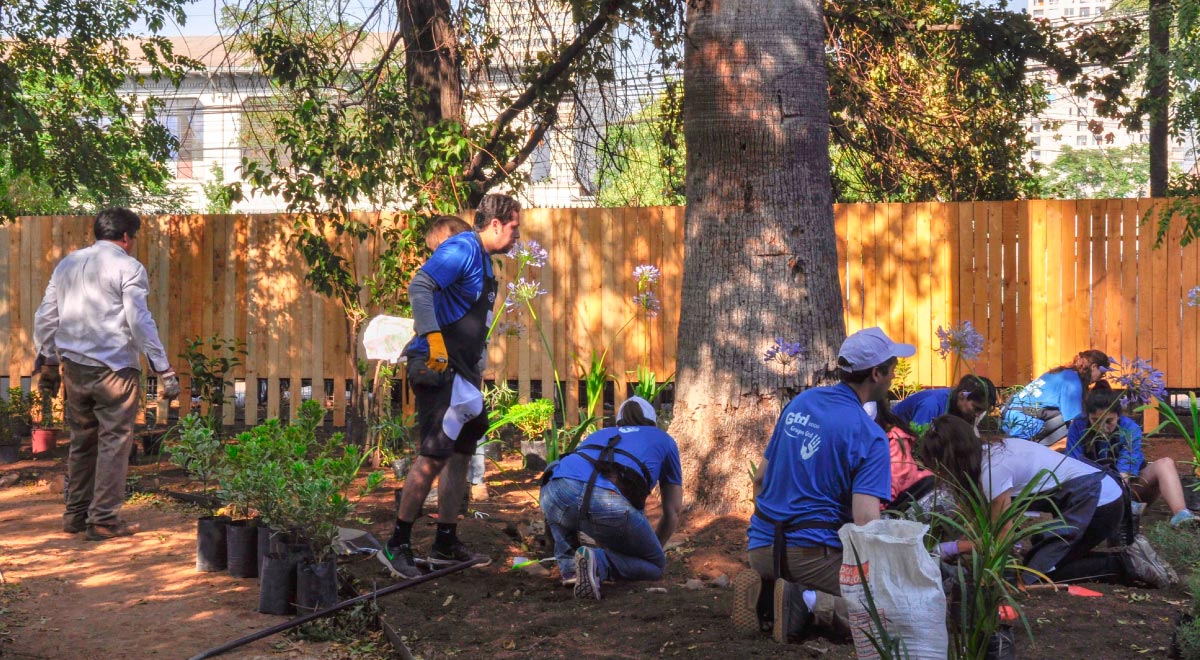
x,y
827,464
452,297
580,496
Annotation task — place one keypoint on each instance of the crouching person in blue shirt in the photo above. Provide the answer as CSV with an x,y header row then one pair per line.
x,y
600,489
827,464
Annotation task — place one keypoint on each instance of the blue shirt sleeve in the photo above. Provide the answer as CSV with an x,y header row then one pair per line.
x,y
449,261
1070,395
1131,458
671,472
1075,433
874,475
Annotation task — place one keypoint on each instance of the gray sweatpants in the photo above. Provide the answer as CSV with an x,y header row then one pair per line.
x,y
101,405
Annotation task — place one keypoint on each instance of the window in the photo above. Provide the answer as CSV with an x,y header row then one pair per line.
x,y
184,120
1037,127
256,132
1037,13
1081,140
1037,154
1081,111
540,161
1037,141
1069,11
1081,126
1085,11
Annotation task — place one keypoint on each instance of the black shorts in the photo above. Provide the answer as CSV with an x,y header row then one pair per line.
x,y
432,392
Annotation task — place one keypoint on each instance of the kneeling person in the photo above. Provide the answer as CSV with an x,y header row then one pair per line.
x,y
600,489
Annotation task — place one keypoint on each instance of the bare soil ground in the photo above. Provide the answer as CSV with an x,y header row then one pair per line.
x,y
140,597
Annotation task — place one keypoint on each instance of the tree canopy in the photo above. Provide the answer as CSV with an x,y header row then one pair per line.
x,y
71,133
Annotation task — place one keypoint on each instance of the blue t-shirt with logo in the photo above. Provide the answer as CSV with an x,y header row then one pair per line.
x,y
650,444
1057,389
824,450
459,267
925,406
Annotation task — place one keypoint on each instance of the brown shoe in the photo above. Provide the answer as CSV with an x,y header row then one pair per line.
x,y
105,532
75,526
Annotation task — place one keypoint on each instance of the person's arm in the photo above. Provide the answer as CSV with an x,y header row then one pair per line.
x,y
1075,434
420,296
134,289
865,508
951,549
672,508
45,323
759,474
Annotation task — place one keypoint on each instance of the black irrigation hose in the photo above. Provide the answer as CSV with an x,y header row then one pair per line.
x,y
399,586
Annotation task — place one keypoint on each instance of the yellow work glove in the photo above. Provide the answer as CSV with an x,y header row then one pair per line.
x,y
438,358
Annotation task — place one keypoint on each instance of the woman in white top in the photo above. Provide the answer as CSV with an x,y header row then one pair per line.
x,y
1087,500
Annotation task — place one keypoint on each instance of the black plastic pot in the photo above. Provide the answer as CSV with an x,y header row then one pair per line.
x,y
152,443
1003,644
316,585
211,546
241,543
133,453
277,584
264,544
9,454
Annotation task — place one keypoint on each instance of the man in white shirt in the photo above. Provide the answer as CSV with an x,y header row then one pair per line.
x,y
94,320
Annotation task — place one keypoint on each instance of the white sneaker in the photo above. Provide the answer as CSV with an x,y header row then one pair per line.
x,y
1145,565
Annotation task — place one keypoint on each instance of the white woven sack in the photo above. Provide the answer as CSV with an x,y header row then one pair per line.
x,y
905,583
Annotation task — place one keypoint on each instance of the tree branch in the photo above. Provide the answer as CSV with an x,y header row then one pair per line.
x,y
556,70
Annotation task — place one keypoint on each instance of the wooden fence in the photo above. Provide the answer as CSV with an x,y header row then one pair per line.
x,y
1041,280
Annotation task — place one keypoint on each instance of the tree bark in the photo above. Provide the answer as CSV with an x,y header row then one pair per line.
x,y
431,58
760,258
1158,89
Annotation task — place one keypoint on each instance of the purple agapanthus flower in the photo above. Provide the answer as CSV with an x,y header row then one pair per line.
x,y
646,275
521,292
528,253
647,302
783,351
1141,381
962,340
509,328
1193,297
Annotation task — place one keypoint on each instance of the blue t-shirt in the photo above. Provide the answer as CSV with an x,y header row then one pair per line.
x,y
651,445
925,406
1060,389
824,450
1122,450
459,267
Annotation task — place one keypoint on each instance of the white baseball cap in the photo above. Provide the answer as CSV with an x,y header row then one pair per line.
x,y
870,347
466,402
647,409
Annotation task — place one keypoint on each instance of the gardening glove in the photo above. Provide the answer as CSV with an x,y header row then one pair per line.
x,y
438,358
170,385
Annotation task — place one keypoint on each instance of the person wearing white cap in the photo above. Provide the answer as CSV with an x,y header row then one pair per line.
x,y
827,463
600,489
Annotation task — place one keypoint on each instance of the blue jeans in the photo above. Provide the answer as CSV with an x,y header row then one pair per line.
x,y
629,549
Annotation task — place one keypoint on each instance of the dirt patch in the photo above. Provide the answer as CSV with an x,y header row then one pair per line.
x,y
140,597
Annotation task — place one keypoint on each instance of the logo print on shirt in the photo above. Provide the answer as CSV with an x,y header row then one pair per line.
x,y
492,297
810,447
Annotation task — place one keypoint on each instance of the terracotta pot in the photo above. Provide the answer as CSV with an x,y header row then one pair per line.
x,y
44,440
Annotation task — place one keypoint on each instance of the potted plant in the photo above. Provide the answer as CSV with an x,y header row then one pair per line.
x,y
47,411
10,445
198,450
20,411
534,420
210,359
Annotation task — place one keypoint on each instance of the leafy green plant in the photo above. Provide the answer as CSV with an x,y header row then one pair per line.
x,y
983,573
647,385
595,376
210,359
1170,419
904,385
197,449
6,432
20,407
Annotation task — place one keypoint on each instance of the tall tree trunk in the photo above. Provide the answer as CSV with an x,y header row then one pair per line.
x,y
760,257
431,63
1158,89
